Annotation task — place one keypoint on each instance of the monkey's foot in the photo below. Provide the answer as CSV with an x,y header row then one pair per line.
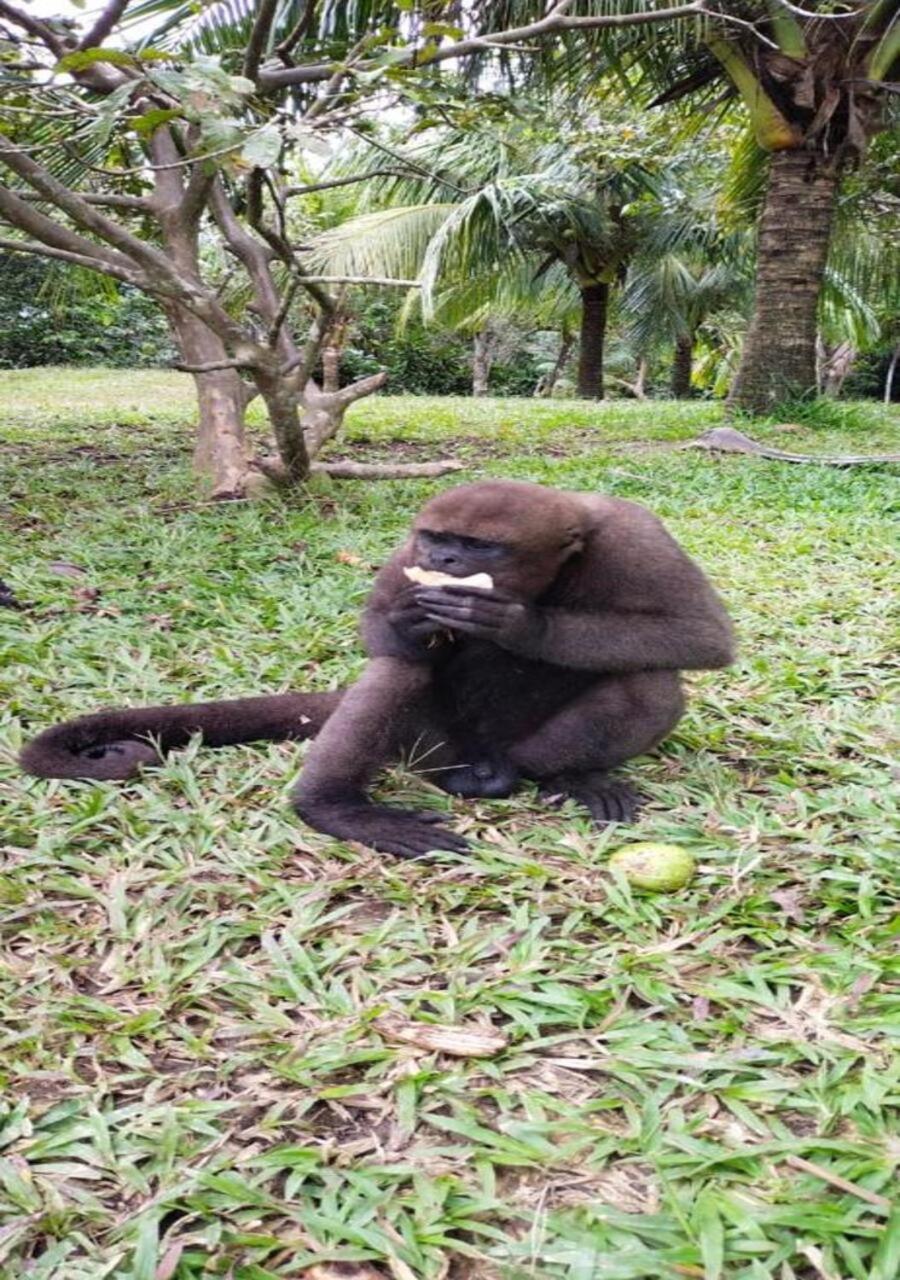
x,y
606,799
116,761
490,778
406,833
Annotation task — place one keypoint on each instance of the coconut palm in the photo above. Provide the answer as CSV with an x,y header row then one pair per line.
x,y
480,214
669,298
813,82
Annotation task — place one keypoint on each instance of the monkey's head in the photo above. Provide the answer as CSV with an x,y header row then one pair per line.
x,y
519,533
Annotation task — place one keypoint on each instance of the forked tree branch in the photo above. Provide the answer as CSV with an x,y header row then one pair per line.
x,y
40,30
19,213
85,215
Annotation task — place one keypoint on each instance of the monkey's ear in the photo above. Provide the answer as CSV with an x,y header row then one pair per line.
x,y
574,541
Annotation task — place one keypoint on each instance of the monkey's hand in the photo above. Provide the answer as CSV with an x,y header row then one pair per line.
x,y
487,615
409,633
406,833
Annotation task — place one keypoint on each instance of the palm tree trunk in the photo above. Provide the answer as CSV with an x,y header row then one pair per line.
x,y
594,306
482,359
681,366
779,356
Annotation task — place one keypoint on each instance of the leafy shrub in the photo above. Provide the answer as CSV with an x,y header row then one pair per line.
x,y
52,315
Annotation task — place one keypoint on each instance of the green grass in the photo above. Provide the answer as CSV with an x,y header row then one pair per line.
x,y
194,1077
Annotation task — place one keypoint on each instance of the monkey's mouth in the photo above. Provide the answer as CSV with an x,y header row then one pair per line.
x,y
438,578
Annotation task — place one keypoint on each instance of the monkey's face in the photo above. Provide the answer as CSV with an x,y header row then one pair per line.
x,y
521,534
515,570
460,555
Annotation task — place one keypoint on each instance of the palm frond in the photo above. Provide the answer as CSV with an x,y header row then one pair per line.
x,y
388,242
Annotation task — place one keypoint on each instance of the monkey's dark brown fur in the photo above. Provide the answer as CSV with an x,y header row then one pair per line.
x,y
567,668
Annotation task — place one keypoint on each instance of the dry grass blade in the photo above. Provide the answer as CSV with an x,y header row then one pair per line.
x,y
457,1041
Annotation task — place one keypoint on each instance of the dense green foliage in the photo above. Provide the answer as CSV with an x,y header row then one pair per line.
x,y
61,315
420,360
195,1082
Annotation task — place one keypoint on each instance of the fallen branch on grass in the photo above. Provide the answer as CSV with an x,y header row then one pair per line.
x,y
385,471
728,440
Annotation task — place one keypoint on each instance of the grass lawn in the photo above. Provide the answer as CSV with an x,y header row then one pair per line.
x,y
196,1076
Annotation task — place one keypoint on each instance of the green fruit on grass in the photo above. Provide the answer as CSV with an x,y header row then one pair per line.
x,y
659,867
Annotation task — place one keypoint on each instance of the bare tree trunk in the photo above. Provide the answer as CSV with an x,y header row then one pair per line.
x,y
482,359
889,380
221,454
682,365
594,307
836,366
779,356
548,382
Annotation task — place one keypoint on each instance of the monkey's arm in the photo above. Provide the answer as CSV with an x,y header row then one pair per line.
x,y
374,720
632,600
613,641
630,641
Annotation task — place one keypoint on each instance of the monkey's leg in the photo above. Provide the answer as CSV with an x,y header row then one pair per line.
x,y
383,714
477,771
616,719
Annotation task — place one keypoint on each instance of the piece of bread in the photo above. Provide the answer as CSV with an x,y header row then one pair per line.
x,y
434,578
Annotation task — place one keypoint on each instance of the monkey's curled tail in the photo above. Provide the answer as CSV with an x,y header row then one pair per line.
x,y
113,745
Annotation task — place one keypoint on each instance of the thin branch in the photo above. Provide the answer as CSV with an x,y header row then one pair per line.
x,y
289,294
356,390
255,258
34,27
343,182
212,366
729,440
422,55
144,167
196,192
134,204
411,165
349,63
104,25
740,22
73,259
379,280
256,216
293,38
302,363
843,1184
259,36
805,13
